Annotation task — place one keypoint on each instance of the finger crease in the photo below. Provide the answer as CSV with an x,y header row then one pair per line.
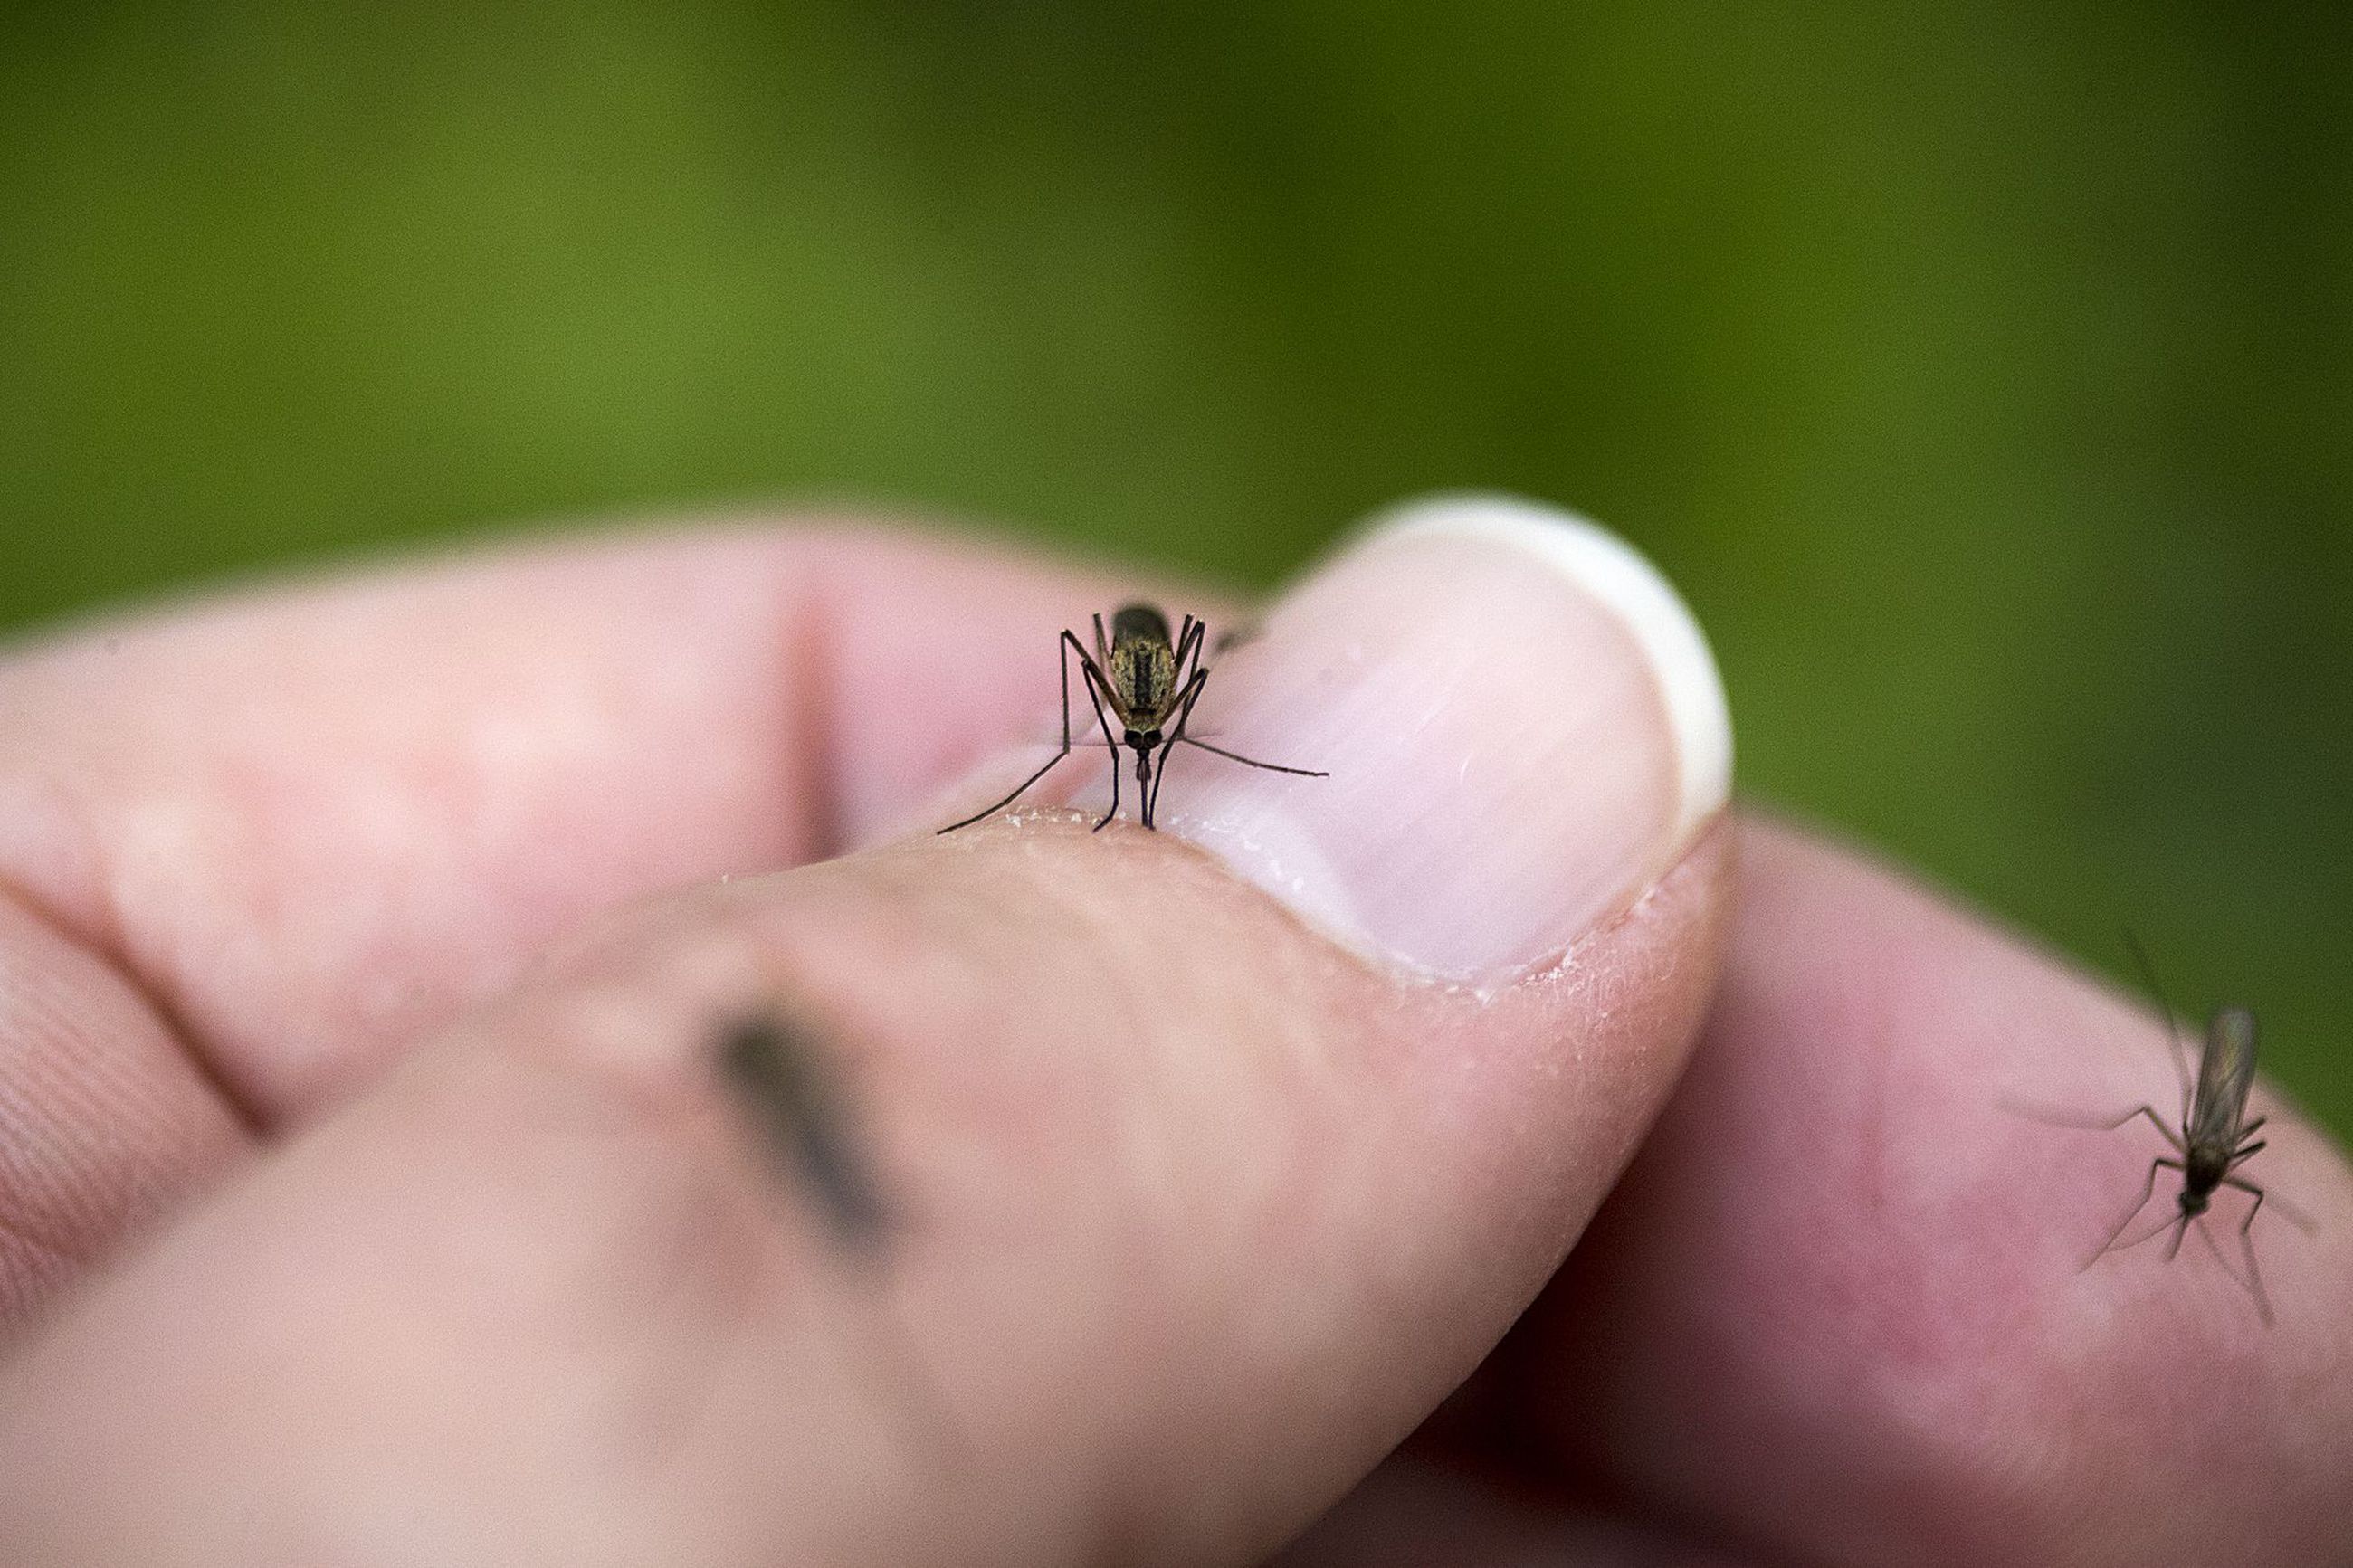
x,y
108,953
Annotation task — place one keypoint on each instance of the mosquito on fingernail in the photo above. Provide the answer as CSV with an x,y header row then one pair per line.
x,y
1143,679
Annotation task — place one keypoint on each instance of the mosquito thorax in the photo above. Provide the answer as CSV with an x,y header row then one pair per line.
x,y
1142,664
2202,1171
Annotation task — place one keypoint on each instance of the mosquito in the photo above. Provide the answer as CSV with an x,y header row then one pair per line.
x,y
2214,1138
1143,679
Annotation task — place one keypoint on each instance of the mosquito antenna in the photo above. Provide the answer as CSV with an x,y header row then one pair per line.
x,y
1253,762
2172,1025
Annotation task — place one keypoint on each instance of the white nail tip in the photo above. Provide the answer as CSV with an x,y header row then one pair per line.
x,y
1619,576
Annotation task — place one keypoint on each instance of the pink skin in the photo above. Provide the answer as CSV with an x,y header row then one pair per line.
x,y
1854,1274
189,797
1835,1312
1210,1213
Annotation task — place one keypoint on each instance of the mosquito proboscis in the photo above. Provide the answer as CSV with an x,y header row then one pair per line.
x,y
1142,678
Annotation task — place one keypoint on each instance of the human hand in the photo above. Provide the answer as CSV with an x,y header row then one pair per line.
x,y
362,947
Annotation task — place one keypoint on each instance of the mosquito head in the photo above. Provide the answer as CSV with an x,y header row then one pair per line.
x,y
2193,1198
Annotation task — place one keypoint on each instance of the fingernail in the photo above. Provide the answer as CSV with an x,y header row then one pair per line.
x,y
1522,723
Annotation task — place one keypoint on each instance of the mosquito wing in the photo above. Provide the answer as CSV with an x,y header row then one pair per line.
x,y
2225,1073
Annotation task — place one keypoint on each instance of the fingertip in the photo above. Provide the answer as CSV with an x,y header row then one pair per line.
x,y
1619,578
1482,727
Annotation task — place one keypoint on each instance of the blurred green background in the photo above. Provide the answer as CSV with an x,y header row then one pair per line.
x,y
1983,373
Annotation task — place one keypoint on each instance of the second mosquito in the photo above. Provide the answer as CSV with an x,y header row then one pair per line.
x,y
2215,1137
1149,684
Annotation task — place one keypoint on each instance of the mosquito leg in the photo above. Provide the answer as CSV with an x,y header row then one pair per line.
x,y
2088,1124
1193,695
2148,1188
2164,1223
2154,1120
1188,641
1190,695
2180,1234
2254,1282
1188,649
1069,644
1254,763
2287,1211
2247,1246
2254,1208
1095,678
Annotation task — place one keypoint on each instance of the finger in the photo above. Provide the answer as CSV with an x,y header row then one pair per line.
x,y
1413,1511
248,848
1201,1198
103,1120
1410,707
1839,1310
311,822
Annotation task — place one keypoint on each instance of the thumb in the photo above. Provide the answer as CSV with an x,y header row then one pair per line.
x,y
1127,1206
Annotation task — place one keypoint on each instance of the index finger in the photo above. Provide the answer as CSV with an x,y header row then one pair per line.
x,y
311,823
